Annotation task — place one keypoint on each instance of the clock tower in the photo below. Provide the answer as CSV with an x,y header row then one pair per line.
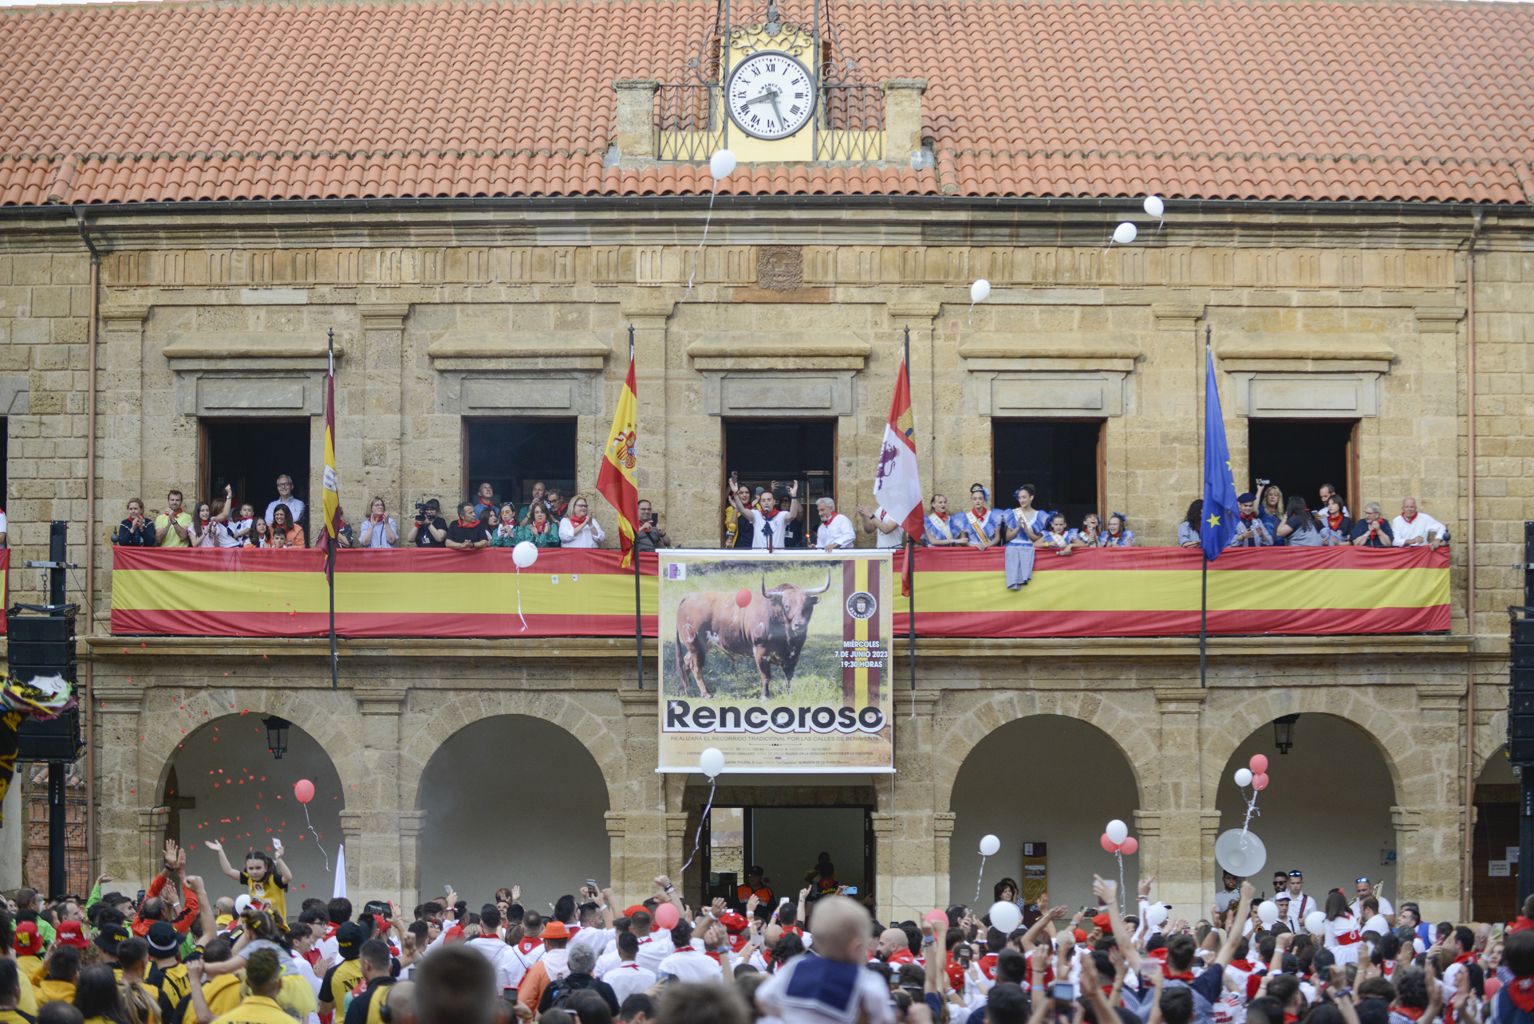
x,y
770,89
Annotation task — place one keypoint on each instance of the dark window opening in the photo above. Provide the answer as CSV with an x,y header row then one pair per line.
x,y
772,454
248,455
512,454
1062,458
1301,455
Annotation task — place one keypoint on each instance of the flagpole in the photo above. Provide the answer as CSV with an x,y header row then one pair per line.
x,y
330,548
910,556
1203,596
638,619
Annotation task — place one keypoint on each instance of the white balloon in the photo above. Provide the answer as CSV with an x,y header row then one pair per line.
x,y
524,554
1315,922
1155,915
721,164
1154,206
711,762
1243,777
1005,917
980,290
1117,831
989,845
1125,233
1267,913
241,904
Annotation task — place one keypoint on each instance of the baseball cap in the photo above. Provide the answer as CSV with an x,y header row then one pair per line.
x,y
163,940
733,922
555,930
638,908
70,934
349,940
110,936
1244,497
28,942
1103,921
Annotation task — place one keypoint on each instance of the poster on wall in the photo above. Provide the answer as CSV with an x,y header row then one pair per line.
x,y
780,660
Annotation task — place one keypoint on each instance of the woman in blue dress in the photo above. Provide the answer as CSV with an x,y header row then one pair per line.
x,y
1024,525
982,523
1118,534
1270,509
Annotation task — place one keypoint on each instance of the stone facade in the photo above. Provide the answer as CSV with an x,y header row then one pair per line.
x,y
1352,314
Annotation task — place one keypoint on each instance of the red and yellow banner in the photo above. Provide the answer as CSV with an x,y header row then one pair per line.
x,y
615,479
959,593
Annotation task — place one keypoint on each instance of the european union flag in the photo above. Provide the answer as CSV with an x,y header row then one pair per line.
x,y
1220,512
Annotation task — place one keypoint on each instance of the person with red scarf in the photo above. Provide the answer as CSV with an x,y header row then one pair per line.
x,y
943,530
468,533
537,530
580,529
770,522
1514,1003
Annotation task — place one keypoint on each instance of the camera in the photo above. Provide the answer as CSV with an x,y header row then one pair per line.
x,y
1062,992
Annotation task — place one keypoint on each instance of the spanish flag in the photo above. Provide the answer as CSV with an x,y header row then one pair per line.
x,y
332,489
615,480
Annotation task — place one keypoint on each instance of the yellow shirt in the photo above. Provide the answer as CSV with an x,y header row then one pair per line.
x,y
222,993
339,982
52,990
297,997
271,891
28,1001
174,987
151,996
16,1017
255,1010
172,538
31,968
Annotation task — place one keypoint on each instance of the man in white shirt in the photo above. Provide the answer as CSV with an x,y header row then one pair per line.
x,y
1373,921
285,497
1299,904
1412,527
529,950
494,948
1365,889
654,943
835,529
688,963
771,523
887,533
628,977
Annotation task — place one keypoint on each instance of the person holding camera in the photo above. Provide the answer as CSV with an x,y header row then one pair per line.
x,y
379,530
429,529
649,536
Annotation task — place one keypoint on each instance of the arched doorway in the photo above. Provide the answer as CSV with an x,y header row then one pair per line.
x,y
1494,874
223,784
1326,811
512,800
1045,786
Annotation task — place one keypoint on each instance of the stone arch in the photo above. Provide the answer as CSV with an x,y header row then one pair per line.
x,y
1231,717
424,729
958,736
170,716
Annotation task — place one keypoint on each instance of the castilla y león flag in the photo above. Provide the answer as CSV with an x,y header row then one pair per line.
x,y
615,480
897,485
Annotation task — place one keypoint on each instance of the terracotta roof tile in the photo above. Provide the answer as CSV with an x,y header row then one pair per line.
x,y
1237,99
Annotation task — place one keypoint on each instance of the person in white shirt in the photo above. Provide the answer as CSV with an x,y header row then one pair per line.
x,y
1374,922
1365,889
1300,905
285,497
1341,930
494,948
628,977
580,529
770,522
835,529
1412,527
688,963
654,943
529,950
887,533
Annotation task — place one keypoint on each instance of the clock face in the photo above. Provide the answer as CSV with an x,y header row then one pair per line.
x,y
770,95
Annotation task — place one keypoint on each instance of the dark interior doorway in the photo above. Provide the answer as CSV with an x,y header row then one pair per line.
x,y
513,453
787,842
1301,455
1062,458
778,451
249,455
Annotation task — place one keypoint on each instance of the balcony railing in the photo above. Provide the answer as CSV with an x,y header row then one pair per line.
x,y
1138,592
849,122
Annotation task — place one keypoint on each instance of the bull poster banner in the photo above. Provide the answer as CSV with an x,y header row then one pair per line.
x,y
781,660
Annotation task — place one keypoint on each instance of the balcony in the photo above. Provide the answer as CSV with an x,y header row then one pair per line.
x,y
1129,593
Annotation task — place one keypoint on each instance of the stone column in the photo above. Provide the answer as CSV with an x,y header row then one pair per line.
x,y
122,780
641,848
1175,805
902,119
919,313
1429,816
636,127
648,310
410,825
382,420
617,837
122,447
352,826
912,841
151,846
375,863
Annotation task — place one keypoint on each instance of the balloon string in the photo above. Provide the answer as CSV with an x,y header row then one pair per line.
x,y
316,838
1122,904
979,878
1251,811
519,598
697,841
697,254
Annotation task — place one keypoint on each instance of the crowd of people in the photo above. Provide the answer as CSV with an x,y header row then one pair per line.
x,y
177,954
769,518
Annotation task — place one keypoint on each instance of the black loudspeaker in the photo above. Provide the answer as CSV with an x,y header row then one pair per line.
x,y
44,645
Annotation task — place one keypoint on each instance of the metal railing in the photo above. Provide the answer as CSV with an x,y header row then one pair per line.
x,y
688,123
849,123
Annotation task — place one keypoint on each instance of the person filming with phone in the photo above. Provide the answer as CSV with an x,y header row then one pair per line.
x,y
648,536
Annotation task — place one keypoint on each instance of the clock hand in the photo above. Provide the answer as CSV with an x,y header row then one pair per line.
x,y
764,96
775,109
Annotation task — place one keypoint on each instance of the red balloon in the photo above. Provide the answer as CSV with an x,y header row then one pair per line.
x,y
1109,844
1258,764
303,791
666,915
1129,846
1260,781
743,596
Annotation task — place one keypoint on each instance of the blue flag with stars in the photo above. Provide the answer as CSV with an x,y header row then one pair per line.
x,y
1220,512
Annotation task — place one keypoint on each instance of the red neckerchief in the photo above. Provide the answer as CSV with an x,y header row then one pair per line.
x,y
526,946
1521,992
714,957
468,522
769,516
941,517
1290,1018
900,956
1244,966
1465,958
1411,1012
988,966
1183,976
1334,521
579,520
1407,519
1520,924
540,527
825,520
330,931
980,517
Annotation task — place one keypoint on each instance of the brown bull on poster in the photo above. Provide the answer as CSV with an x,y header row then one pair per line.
x,y
771,628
